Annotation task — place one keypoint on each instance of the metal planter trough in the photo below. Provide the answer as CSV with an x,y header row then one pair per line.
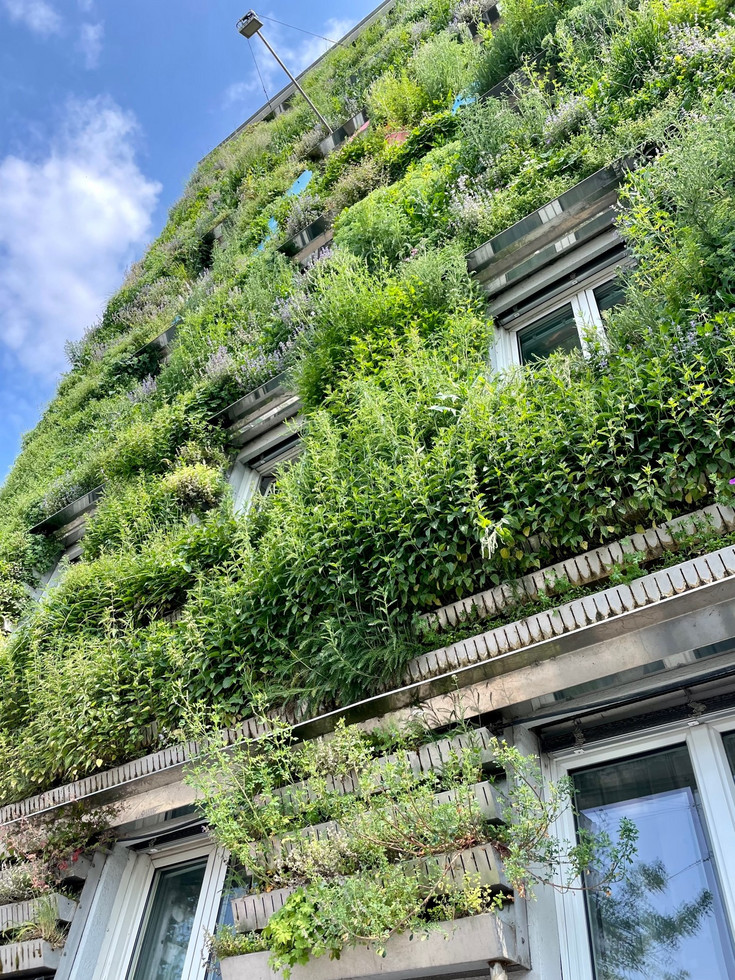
x,y
315,236
156,351
495,262
32,958
571,237
256,421
20,912
68,523
336,138
489,17
462,948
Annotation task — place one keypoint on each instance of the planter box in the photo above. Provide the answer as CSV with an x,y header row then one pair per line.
x,y
429,757
454,949
32,958
484,794
252,912
158,348
489,17
70,520
336,138
255,420
580,213
20,912
76,870
315,236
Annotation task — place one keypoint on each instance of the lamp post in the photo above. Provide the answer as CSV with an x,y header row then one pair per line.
x,y
249,25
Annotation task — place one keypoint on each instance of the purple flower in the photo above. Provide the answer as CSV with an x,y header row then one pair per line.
x,y
142,391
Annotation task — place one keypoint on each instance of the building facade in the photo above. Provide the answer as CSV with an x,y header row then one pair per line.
x,y
611,663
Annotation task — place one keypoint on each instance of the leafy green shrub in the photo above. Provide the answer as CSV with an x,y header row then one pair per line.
x,y
396,99
390,220
443,68
195,487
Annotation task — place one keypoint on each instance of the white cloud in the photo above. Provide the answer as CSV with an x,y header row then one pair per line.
x,y
296,56
71,223
38,15
90,43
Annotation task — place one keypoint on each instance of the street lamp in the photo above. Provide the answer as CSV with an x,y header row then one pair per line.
x,y
249,25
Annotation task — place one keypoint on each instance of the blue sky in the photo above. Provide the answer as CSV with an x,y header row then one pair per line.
x,y
105,108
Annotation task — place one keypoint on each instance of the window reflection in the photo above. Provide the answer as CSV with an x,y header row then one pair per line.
x,y
665,920
556,331
164,940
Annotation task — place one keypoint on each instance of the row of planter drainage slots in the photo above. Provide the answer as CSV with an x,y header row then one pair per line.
x,y
252,912
459,948
37,957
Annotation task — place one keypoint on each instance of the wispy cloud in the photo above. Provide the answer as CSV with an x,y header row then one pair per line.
x,y
90,43
296,54
72,221
38,15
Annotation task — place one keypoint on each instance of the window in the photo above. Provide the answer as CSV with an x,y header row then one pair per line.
x,y
553,332
168,897
668,914
167,924
675,914
567,326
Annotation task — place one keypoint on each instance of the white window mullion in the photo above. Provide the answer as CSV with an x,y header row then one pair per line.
x,y
715,784
209,900
588,319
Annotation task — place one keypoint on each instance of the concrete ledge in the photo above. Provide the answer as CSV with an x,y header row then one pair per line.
x,y
577,615
21,912
35,957
593,566
251,913
452,949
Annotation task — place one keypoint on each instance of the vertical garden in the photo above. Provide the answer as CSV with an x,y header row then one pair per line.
x,y
423,473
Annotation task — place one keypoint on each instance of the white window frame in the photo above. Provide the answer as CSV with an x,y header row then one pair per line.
x,y
506,351
716,788
244,481
132,901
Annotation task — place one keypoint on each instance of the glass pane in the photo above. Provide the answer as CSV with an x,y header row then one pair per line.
x,y
609,294
556,331
237,884
167,924
665,920
729,742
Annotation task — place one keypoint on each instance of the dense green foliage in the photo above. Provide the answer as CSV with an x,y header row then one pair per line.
x,y
423,474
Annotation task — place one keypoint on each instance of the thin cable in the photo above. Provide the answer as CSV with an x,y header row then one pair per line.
x,y
257,68
281,23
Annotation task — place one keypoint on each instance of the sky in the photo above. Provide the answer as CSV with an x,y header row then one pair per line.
x,y
105,108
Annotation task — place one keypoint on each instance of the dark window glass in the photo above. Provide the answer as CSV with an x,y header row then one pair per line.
x,y
666,918
729,742
267,483
169,918
556,331
608,295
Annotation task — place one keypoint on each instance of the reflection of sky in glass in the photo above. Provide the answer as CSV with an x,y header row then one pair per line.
x,y
300,184
670,830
